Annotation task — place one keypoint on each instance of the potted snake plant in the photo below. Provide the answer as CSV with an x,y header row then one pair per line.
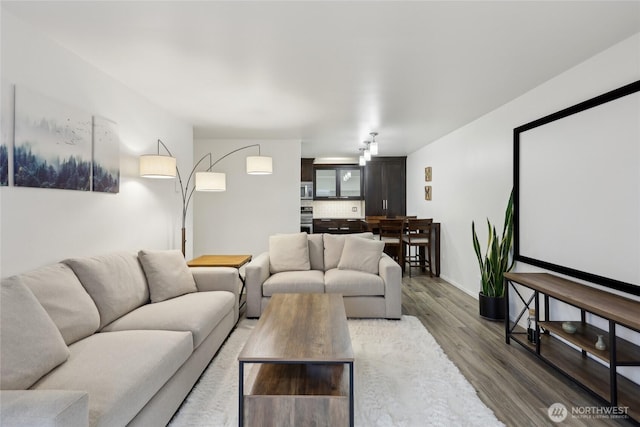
x,y
496,261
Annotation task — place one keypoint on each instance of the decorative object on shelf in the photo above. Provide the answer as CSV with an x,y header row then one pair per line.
x,y
600,344
427,174
569,327
163,166
531,326
427,192
497,260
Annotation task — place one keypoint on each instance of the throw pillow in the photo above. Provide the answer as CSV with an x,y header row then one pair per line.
x,y
361,255
333,245
289,252
167,274
59,291
316,251
31,344
115,282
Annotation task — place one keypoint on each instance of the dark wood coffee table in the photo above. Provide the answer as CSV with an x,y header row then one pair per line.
x,y
303,364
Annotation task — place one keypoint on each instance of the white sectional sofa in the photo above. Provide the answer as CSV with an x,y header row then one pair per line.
x,y
113,340
353,265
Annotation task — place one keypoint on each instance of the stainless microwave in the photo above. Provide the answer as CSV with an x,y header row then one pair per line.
x,y
306,190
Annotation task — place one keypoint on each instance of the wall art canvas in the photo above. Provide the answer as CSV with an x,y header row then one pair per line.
x,y
427,192
427,173
106,156
6,126
52,143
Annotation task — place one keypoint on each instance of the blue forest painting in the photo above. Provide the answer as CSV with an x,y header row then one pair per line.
x,y
52,145
106,156
6,127
4,165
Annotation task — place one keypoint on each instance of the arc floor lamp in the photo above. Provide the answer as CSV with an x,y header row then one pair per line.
x,y
165,166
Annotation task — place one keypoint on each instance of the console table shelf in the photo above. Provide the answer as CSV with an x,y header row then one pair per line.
x,y
578,360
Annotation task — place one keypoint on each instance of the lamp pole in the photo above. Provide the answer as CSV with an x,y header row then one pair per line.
x,y
188,193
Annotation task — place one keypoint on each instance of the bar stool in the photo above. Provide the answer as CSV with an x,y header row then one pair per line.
x,y
391,232
418,236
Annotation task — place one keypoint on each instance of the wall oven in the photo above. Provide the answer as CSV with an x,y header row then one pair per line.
x,y
306,219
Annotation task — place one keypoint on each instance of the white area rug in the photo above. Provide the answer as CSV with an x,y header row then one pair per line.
x,y
402,378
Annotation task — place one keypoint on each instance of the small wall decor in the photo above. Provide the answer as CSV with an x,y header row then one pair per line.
x,y
427,192
427,174
52,143
106,156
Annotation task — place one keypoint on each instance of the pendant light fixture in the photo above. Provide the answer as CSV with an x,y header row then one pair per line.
x,y
373,146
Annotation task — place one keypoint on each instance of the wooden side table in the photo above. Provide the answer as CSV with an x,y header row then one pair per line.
x,y
235,261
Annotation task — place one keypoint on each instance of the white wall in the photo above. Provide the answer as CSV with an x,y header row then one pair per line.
x,y
42,226
241,219
473,166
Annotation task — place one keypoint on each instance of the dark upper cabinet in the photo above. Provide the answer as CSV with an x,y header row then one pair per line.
x,y
333,182
385,186
306,170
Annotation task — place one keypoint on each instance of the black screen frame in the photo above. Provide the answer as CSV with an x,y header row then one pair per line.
x,y
585,105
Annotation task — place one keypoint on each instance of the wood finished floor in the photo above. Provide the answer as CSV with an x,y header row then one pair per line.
x,y
512,382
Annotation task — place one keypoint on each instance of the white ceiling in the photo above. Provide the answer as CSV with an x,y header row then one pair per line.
x,y
328,73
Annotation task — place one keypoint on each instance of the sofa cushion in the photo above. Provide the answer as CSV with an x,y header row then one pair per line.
x,y
63,297
44,408
115,282
121,371
289,252
198,313
30,343
361,255
316,251
333,245
300,282
167,274
353,283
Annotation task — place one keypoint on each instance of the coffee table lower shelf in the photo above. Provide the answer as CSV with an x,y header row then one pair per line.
x,y
294,394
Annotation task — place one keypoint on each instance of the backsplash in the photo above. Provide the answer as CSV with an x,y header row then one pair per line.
x,y
338,208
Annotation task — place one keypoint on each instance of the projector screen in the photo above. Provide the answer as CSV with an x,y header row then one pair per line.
x,y
577,190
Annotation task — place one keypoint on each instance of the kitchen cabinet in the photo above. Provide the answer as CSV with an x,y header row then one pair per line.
x,y
337,225
306,170
342,182
385,186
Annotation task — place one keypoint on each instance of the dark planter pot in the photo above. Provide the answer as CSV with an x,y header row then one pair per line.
x,y
491,308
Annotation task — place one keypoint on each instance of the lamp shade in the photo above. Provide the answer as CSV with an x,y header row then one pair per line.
x,y
373,147
367,154
157,166
259,165
211,181
362,161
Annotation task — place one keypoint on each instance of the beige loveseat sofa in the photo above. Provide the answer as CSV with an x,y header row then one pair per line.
x,y
113,340
353,265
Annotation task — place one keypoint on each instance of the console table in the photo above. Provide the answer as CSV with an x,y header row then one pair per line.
x,y
579,364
